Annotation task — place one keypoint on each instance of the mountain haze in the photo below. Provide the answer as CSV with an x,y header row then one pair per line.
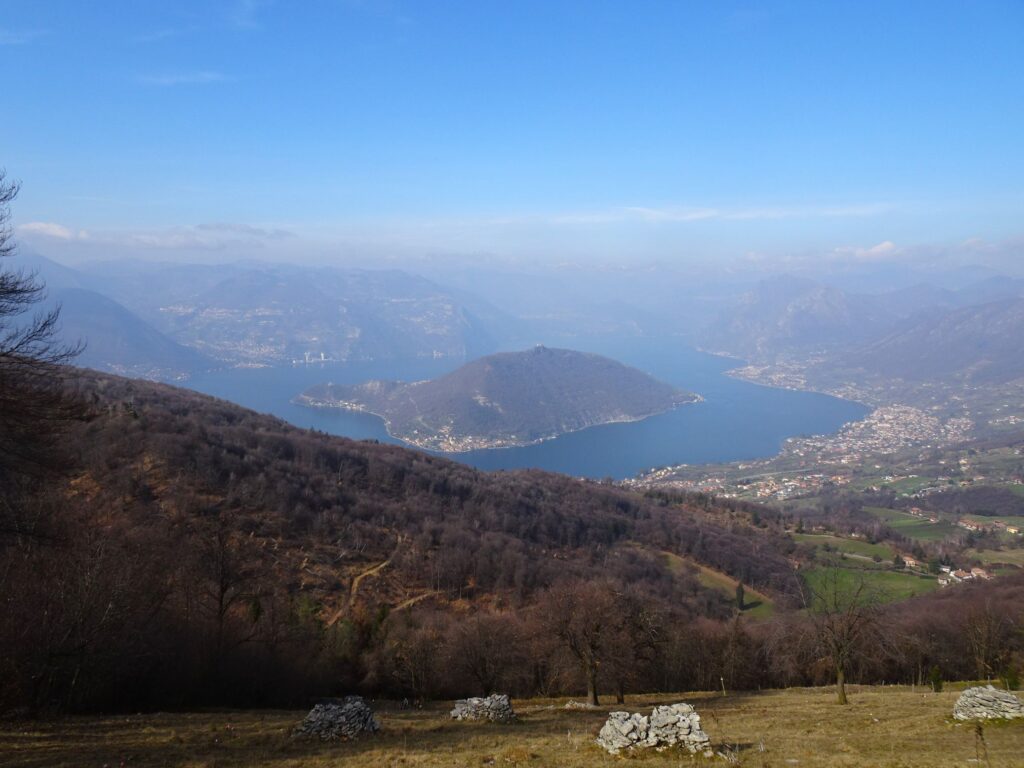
x,y
118,341
978,344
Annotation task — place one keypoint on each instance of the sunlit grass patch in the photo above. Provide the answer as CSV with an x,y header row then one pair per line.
x,y
882,726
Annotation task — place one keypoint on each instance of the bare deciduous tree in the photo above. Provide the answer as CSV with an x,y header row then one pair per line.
x,y
987,632
608,631
485,648
844,612
33,394
582,616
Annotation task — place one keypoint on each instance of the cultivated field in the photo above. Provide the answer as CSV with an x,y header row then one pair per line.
x,y
854,547
1008,556
891,727
888,585
914,527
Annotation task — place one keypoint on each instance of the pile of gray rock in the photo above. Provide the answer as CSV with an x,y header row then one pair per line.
x,y
338,720
674,725
573,704
497,708
987,703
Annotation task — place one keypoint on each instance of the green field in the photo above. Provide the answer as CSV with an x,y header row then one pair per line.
x,y
855,547
908,484
913,527
1008,556
892,515
1008,519
889,585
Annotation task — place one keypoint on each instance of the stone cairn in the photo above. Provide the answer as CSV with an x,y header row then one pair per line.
x,y
667,726
987,703
497,708
338,720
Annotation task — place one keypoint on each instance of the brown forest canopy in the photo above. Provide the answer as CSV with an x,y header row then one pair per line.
x,y
199,553
214,521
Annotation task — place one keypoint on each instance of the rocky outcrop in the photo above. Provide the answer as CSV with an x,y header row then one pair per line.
x,y
674,725
339,720
496,708
987,703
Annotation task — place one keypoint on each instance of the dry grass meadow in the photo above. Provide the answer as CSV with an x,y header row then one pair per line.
x,y
881,727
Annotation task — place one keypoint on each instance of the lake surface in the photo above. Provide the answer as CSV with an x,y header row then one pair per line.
x,y
736,421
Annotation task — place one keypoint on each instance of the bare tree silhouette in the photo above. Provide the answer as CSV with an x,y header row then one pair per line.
x,y
34,398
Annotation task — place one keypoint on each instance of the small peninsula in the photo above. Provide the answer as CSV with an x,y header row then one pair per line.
x,y
507,400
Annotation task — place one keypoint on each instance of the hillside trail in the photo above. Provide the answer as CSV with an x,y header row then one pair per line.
x,y
353,591
414,600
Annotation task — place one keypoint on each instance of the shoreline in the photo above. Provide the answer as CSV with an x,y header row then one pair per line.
x,y
307,402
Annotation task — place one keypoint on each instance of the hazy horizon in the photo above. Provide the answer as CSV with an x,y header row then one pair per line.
x,y
722,136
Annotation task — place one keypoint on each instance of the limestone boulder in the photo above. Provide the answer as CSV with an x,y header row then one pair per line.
x,y
987,703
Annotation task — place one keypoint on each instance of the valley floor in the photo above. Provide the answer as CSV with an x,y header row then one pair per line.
x,y
892,726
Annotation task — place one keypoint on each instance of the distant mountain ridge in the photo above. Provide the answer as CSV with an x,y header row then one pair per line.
x,y
508,399
113,338
273,314
169,321
976,344
118,341
789,316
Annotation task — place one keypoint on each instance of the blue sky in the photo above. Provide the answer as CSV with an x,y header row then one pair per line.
x,y
618,130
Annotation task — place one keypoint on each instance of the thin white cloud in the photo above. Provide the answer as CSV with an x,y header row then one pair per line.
x,y
52,230
1000,255
884,251
245,230
203,77
679,214
673,213
155,36
767,213
245,13
203,236
20,36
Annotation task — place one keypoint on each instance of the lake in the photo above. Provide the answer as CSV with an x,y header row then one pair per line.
x,y
737,420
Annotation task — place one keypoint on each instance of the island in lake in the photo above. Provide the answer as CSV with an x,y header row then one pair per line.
x,y
507,400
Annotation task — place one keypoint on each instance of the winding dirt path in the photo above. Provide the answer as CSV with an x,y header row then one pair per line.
x,y
413,600
353,591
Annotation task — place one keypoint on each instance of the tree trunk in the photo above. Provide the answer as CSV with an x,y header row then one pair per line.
x,y
620,694
592,685
841,686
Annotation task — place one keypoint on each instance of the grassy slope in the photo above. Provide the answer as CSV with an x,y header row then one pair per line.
x,y
759,605
886,727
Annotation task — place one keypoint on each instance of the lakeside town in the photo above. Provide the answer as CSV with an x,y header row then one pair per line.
x,y
881,450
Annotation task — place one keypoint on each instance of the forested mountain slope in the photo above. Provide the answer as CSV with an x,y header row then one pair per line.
x,y
196,551
177,452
